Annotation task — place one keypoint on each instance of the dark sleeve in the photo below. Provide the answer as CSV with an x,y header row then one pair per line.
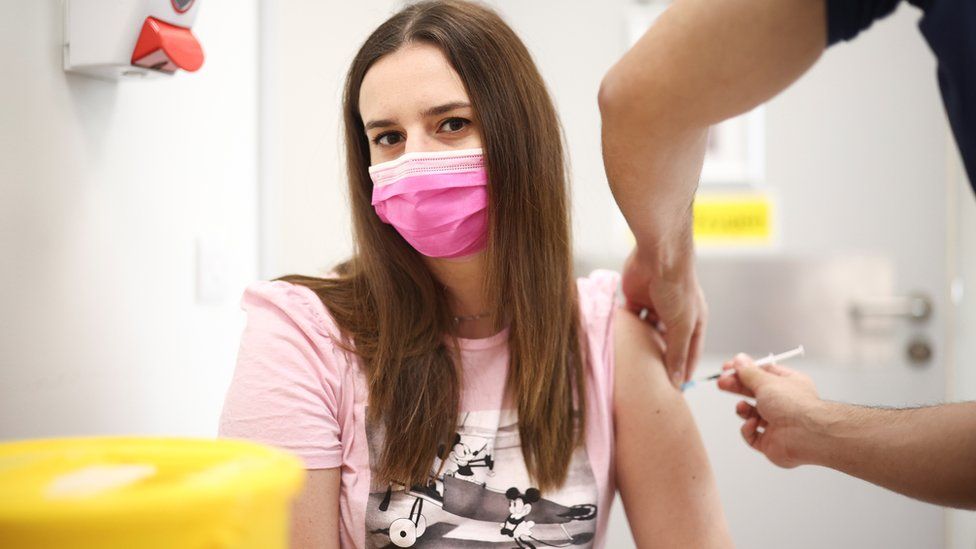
x,y
948,26
846,18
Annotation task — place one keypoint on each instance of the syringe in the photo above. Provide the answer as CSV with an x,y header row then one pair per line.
x,y
769,359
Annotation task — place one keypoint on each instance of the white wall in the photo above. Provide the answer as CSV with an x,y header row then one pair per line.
x,y
104,188
308,47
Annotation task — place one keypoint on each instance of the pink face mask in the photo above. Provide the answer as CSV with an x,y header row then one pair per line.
x,y
437,201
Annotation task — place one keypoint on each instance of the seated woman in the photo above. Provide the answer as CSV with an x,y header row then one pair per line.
x,y
452,385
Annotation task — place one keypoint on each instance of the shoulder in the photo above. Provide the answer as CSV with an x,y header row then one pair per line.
x,y
626,338
278,301
290,386
289,338
597,299
597,294
639,365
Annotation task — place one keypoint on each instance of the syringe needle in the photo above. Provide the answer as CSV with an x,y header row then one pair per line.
x,y
769,359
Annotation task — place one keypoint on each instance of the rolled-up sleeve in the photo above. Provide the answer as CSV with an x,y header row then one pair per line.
x,y
286,387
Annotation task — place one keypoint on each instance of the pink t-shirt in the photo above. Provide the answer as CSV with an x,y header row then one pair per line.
x,y
294,389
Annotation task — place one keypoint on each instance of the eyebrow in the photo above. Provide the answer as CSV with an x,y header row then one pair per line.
x,y
426,113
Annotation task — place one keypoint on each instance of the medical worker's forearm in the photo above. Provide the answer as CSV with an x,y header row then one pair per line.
x,y
924,453
702,62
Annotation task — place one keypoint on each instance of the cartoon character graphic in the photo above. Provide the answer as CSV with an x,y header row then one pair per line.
x,y
463,499
515,526
405,531
467,459
471,497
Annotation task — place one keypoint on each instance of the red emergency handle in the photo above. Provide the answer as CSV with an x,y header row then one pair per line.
x,y
166,47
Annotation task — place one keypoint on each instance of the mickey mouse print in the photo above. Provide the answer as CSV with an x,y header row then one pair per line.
x,y
483,497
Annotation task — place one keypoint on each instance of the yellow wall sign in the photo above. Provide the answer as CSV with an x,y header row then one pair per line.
x,y
733,220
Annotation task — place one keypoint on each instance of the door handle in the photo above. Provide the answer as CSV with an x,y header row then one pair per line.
x,y
916,307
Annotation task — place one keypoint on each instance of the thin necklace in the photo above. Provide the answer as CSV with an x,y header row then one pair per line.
x,y
471,317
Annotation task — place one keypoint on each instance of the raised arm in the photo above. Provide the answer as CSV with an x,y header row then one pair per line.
x,y
702,62
663,474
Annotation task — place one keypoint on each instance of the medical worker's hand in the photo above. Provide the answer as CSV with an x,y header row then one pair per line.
x,y
780,424
674,302
924,452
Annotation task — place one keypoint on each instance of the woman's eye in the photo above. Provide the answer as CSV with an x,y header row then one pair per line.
x,y
390,138
453,125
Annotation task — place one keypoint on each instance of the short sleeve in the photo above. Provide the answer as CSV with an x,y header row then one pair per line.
x,y
847,18
597,300
286,388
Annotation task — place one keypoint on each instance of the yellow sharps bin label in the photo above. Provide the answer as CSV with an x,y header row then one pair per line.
x,y
733,219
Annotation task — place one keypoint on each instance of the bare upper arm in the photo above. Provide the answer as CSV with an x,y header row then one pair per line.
x,y
698,65
663,473
315,513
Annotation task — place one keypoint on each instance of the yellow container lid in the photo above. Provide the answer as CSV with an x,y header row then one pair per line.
x,y
152,492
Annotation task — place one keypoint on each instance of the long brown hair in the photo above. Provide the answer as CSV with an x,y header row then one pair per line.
x,y
393,312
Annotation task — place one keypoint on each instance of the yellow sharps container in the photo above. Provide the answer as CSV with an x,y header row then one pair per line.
x,y
145,493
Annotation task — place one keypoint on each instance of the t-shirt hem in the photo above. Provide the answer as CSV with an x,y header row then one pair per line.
x,y
320,461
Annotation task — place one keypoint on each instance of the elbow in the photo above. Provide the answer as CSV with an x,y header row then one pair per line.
x,y
606,97
631,101
613,95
